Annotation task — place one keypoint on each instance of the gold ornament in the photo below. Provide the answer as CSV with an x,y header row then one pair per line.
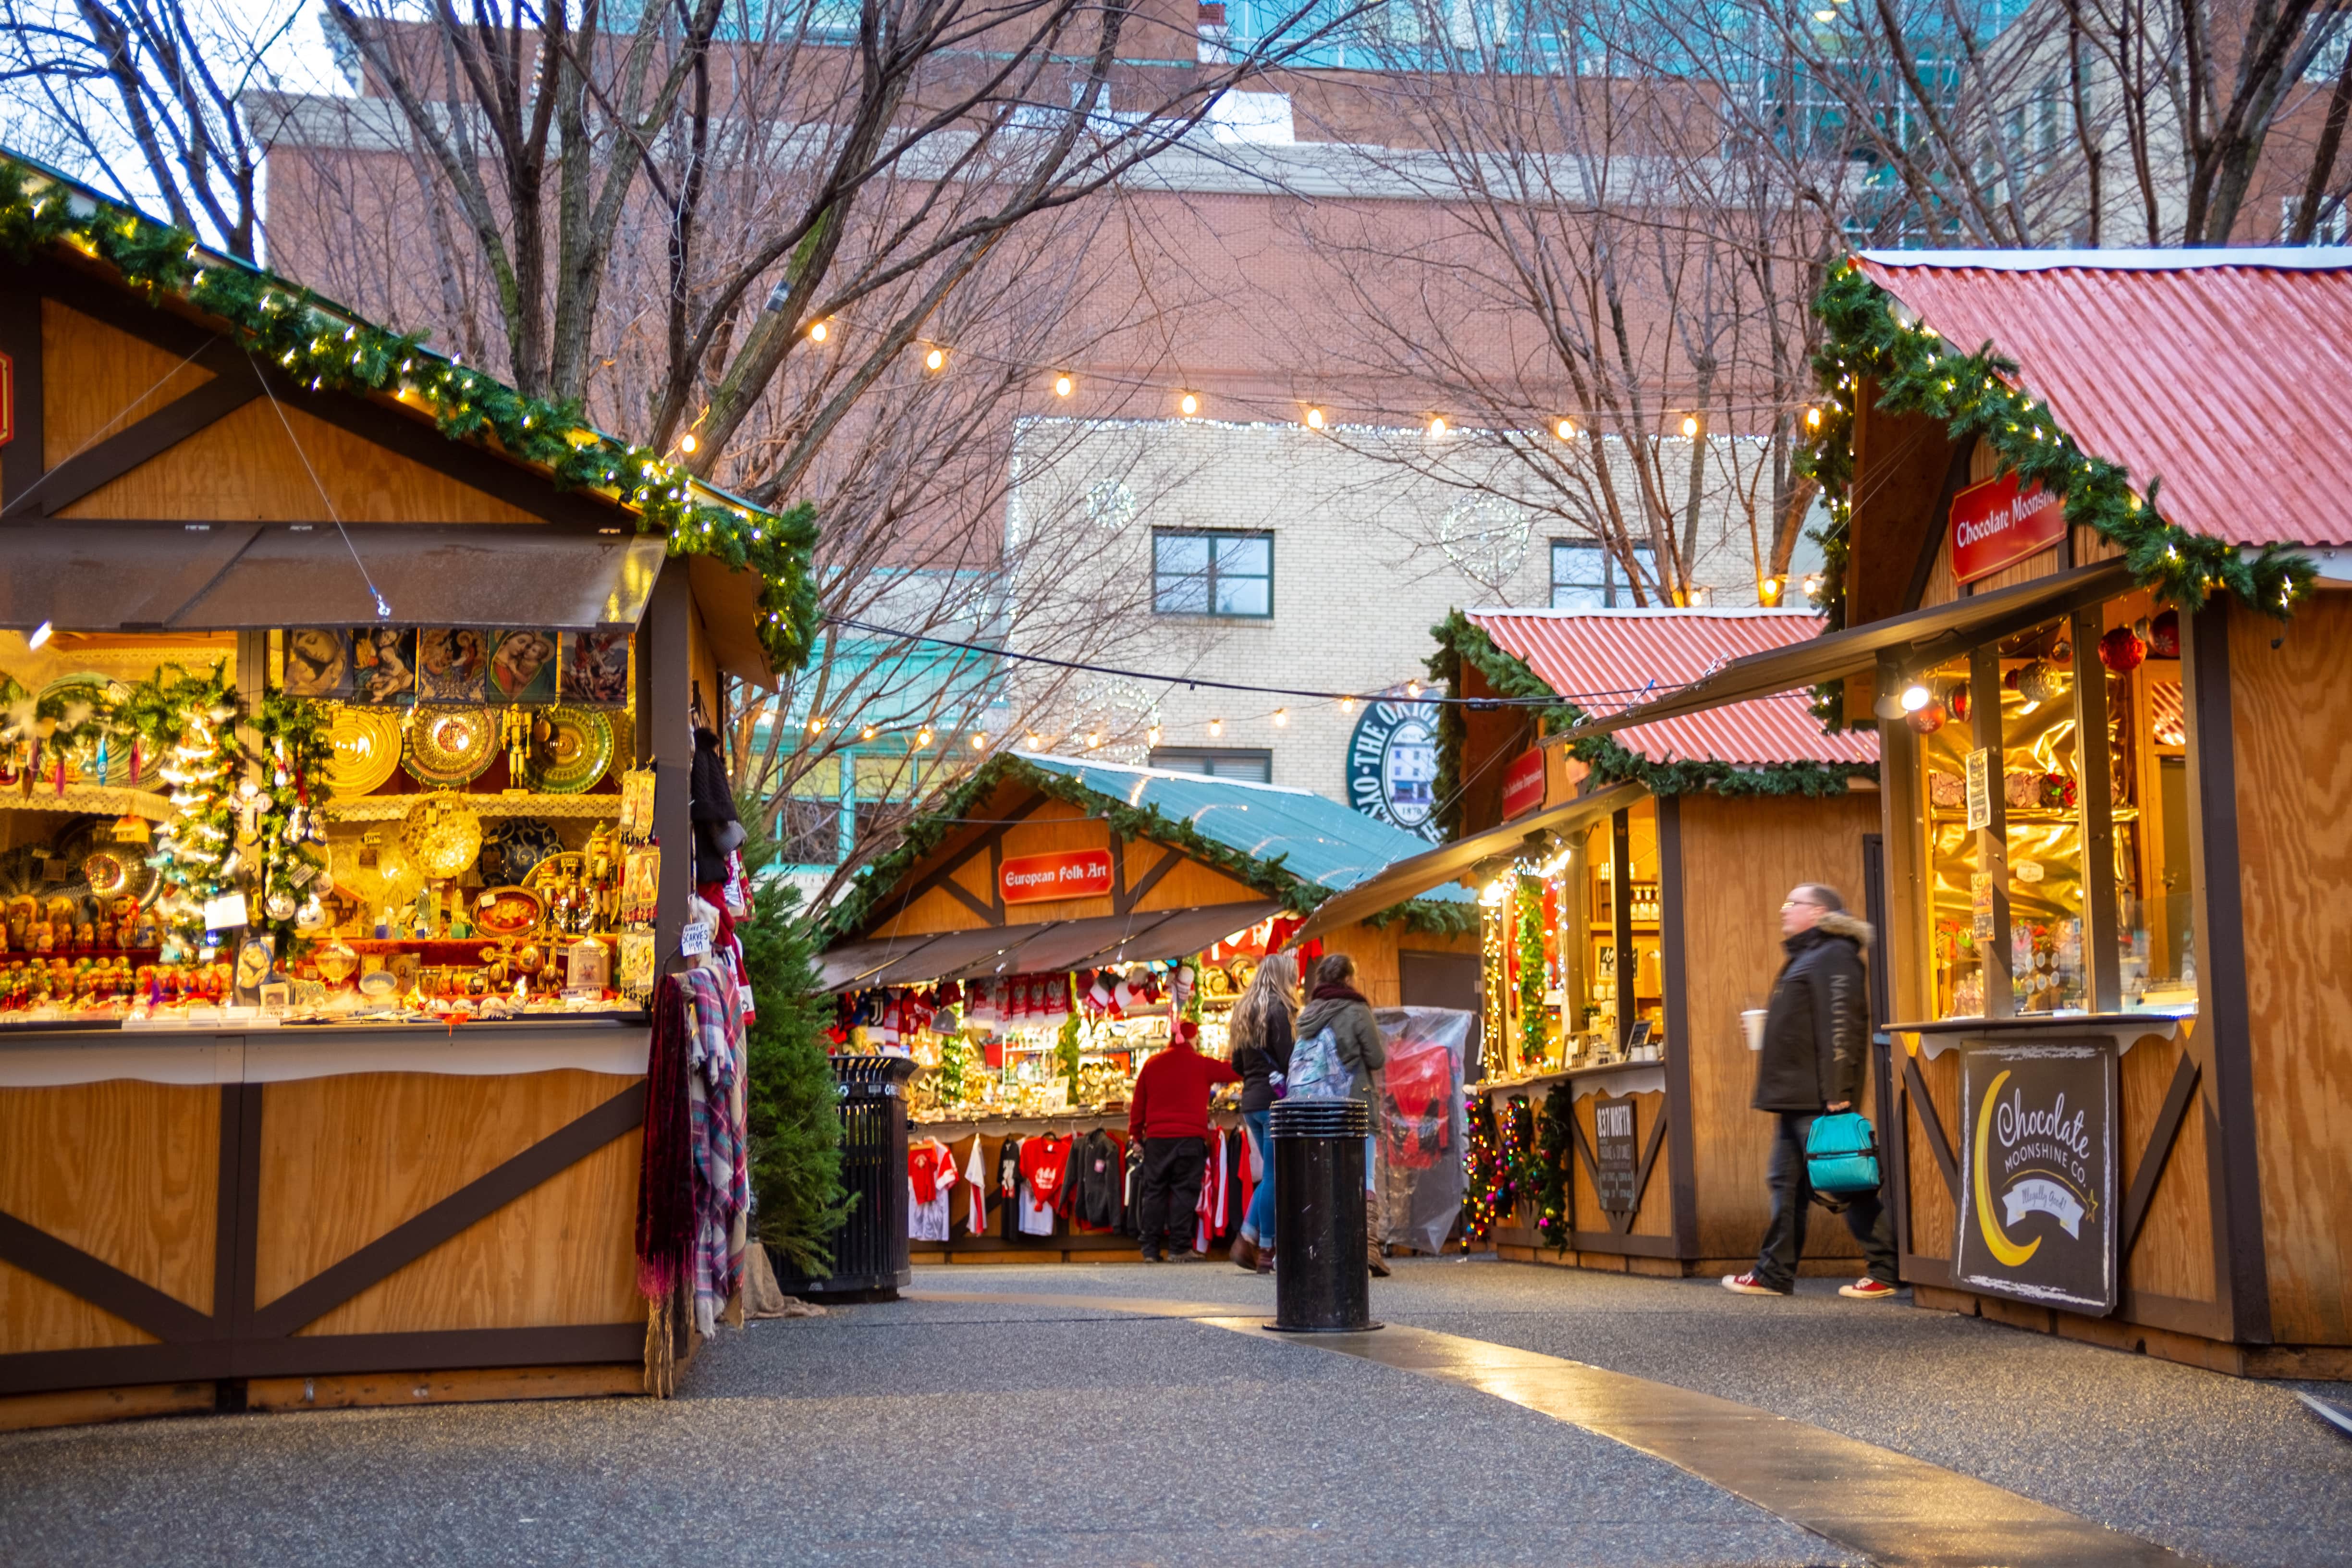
x,y
399,875
442,835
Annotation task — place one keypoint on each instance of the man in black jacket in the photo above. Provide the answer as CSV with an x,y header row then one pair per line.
x,y
1816,1047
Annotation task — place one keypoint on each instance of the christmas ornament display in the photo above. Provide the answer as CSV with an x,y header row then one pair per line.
x,y
442,835
1927,719
2164,634
2040,682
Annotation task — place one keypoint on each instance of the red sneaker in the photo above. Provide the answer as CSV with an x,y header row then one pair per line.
x,y
1867,1289
1748,1285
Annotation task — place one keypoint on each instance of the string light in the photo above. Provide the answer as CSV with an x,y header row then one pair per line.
x,y
40,635
1034,742
1315,419
1094,739
1346,705
816,724
1151,736
868,734
1189,404
935,361
1437,426
686,443
923,737
1281,716
1814,416
1413,688
820,331
979,741
1216,728
1690,425
1565,429
1064,386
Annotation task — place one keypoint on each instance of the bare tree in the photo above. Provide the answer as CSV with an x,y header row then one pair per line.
x,y
1608,314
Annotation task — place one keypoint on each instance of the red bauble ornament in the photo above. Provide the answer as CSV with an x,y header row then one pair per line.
x,y
1960,701
1927,719
2121,650
2164,634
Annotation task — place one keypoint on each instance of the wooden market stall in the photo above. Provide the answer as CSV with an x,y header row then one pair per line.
x,y
1041,878
329,885
2114,729
1672,847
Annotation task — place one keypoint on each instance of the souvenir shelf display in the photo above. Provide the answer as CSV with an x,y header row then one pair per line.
x,y
321,824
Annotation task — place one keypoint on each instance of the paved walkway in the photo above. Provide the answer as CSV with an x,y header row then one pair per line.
x,y
1044,1423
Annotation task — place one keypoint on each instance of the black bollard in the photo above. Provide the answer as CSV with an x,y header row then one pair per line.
x,y
1321,1285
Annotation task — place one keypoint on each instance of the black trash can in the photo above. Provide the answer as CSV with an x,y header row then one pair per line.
x,y
1321,1284
870,1250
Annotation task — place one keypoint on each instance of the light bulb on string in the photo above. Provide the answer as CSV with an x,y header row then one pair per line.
x,y
935,361
1064,386
1437,426
1565,429
1315,419
1216,728
979,741
820,331
1346,705
1190,404
1413,688
1690,426
1281,716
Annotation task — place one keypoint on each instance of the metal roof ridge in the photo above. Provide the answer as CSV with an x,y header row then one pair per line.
x,y
2280,258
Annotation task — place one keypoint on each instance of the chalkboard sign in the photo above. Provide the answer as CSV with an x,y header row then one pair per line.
x,y
1616,1157
2038,1172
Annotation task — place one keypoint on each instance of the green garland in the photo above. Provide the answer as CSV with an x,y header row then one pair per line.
x,y
1871,336
1555,1147
1461,641
1533,1036
1065,1045
321,343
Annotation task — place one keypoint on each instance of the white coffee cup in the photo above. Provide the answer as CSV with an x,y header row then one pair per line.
x,y
1752,1021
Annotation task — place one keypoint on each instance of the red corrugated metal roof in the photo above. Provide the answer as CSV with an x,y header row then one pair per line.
x,y
1608,660
2225,375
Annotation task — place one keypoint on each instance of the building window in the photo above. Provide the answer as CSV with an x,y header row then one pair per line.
x,y
1216,762
1206,573
1584,577
809,832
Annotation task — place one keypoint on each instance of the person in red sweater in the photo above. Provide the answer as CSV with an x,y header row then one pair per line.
x,y
1169,1112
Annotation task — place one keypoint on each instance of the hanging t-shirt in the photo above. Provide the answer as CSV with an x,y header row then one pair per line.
x,y
1042,1164
1008,1188
928,1199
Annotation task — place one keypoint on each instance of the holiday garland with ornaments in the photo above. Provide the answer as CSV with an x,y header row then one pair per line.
x,y
1872,337
1555,1147
325,347
245,788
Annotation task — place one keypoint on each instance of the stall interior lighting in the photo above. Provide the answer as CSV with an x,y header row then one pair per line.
x,y
1916,696
40,635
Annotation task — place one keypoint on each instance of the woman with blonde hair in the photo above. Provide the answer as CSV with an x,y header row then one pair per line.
x,y
1262,1035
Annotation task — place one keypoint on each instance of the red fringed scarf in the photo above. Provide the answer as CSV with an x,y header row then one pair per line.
x,y
665,1177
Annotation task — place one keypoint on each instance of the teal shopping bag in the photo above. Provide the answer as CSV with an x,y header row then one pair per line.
x,y
1841,1154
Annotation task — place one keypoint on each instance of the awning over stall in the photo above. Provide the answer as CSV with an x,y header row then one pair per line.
x,y
1922,637
227,576
1449,862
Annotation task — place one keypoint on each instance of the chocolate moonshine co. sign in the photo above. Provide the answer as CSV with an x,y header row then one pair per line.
x,y
2038,1174
1997,524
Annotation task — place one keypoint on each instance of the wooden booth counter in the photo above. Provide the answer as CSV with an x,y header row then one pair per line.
x,y
324,1216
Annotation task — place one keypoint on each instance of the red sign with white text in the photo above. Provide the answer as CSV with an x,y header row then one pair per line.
x,y
1523,785
1070,874
1996,524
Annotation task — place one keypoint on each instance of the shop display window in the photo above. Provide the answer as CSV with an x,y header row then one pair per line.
x,y
322,824
2008,820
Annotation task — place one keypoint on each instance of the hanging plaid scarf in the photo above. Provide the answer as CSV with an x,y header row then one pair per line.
x,y
722,1176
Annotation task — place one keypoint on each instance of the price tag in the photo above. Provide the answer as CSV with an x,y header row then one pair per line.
x,y
224,913
695,940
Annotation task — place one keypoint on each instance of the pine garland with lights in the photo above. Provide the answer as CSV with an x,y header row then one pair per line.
x,y
1485,1183
1872,337
1533,1036
326,347
1555,1147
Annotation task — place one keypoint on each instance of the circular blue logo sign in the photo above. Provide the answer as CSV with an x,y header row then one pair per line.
x,y
1392,766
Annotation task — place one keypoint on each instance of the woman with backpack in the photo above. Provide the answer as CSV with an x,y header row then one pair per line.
x,y
1338,1006
1261,1053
